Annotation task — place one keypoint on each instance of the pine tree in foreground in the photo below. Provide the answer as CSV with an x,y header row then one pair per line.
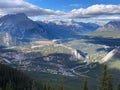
x,y
9,86
85,85
118,87
33,85
107,80
45,87
61,86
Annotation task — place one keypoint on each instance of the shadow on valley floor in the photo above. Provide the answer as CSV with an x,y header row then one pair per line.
x,y
104,49
112,42
105,41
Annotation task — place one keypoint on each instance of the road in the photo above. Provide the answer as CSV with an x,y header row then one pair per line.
x,y
80,66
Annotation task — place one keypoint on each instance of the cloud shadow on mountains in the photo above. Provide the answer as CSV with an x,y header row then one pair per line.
x,y
112,42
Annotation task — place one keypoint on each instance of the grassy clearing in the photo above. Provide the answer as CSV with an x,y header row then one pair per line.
x,y
107,34
43,42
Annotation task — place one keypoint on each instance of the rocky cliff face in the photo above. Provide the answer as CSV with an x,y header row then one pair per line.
x,y
21,27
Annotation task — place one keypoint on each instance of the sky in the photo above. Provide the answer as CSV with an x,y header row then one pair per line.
x,y
79,10
68,5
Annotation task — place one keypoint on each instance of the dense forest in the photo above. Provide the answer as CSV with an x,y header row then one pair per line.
x,y
12,79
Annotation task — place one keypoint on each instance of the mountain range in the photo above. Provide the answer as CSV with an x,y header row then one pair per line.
x,y
110,26
21,28
61,29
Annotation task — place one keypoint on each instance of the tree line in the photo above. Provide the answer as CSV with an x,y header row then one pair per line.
x,y
106,81
12,79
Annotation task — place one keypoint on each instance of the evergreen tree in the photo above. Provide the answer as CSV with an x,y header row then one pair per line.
x,y
12,79
9,86
118,87
107,80
33,85
61,86
110,81
45,87
85,85
49,88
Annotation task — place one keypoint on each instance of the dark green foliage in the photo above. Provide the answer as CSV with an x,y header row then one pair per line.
x,y
85,85
11,79
110,82
107,80
47,86
61,84
118,87
10,86
34,85
61,87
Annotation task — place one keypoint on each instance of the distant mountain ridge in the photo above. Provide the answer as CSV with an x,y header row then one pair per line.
x,y
61,29
20,27
110,26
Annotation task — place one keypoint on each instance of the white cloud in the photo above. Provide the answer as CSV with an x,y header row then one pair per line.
x,y
20,6
106,18
98,11
95,10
